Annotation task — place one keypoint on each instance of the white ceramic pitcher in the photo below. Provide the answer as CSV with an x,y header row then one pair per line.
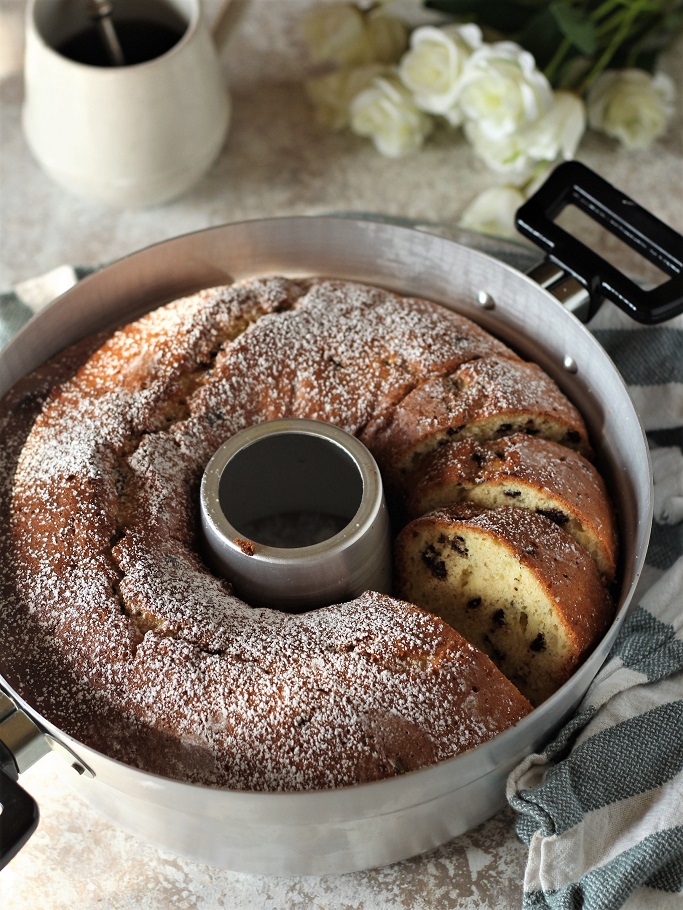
x,y
134,135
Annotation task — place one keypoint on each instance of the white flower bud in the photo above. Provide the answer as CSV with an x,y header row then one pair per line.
x,y
386,113
333,92
387,35
433,67
493,212
344,35
631,105
336,33
559,131
503,91
507,155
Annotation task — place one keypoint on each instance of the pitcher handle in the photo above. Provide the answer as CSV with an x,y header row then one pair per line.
x,y
226,19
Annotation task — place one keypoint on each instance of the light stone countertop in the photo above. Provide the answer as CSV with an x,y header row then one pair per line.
x,y
76,860
276,161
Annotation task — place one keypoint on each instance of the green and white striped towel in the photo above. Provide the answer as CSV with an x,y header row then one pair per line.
x,y
29,297
602,808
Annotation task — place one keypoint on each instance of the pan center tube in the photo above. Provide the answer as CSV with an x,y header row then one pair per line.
x,y
293,514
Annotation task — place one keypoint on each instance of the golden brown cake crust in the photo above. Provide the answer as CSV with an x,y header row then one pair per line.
x,y
524,471
113,626
484,399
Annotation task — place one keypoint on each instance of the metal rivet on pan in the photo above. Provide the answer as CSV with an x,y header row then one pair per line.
x,y
569,364
485,301
71,759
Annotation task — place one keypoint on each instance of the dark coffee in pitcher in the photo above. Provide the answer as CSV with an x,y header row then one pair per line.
x,y
141,40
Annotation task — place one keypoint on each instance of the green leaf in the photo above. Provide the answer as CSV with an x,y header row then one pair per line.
x,y
505,17
576,26
541,36
646,60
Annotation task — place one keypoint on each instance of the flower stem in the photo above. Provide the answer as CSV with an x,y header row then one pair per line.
x,y
557,59
629,15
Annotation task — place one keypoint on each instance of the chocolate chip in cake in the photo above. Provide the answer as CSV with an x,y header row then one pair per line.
x,y
458,545
432,559
555,515
538,644
498,618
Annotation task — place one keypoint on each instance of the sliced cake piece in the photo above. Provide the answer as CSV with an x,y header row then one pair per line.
x,y
513,583
484,399
527,472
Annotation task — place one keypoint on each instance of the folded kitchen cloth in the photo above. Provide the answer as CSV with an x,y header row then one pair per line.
x,y
601,809
29,297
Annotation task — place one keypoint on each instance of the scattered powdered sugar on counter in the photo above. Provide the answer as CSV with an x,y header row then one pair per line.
x,y
87,861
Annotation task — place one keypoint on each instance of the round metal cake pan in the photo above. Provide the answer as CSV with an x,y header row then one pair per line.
x,y
372,824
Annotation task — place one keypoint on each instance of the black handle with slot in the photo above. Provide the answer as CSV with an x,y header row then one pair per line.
x,y
572,183
19,814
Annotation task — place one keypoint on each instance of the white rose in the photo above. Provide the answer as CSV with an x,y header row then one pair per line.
x,y
388,36
503,90
386,113
631,105
333,93
556,134
559,131
493,212
336,33
432,69
507,155
344,35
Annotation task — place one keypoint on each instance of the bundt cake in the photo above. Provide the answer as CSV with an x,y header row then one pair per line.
x,y
115,628
513,583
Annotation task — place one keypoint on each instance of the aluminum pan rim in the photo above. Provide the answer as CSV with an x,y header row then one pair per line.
x,y
364,251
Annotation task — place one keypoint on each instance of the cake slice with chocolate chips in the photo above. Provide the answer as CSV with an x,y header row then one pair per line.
x,y
513,583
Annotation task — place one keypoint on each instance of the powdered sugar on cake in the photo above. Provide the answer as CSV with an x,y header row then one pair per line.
x,y
116,629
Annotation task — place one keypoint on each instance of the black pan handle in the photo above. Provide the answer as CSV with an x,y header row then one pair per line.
x,y
22,743
19,816
572,183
